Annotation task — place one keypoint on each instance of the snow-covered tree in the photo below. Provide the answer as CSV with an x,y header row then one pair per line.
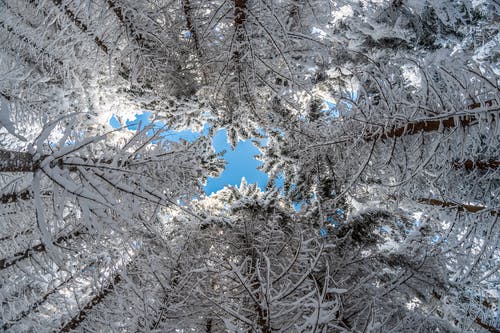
x,y
381,116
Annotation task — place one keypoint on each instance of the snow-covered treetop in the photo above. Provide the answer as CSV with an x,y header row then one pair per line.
x,y
380,116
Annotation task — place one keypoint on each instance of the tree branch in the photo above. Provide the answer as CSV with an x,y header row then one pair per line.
x,y
22,233
239,12
477,320
470,165
14,161
16,196
41,300
26,40
82,315
460,207
128,23
39,248
486,326
78,23
186,6
429,125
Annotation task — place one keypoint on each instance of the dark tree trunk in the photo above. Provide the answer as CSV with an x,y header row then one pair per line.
x,y
186,6
470,165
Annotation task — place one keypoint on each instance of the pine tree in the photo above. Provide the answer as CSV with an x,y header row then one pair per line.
x,y
108,229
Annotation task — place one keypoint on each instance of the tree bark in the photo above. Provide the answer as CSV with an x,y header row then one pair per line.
x,y
82,26
239,12
186,6
77,22
460,207
42,51
486,326
430,125
80,317
39,248
16,196
477,320
470,165
127,23
14,161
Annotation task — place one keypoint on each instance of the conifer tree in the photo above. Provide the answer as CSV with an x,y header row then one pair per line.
x,y
380,116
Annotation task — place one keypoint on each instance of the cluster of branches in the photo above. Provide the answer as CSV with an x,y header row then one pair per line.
x,y
104,231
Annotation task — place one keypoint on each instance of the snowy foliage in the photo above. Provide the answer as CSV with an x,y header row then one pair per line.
x,y
380,116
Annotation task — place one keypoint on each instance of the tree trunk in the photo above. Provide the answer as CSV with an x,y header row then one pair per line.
x,y
127,22
470,165
8,198
186,6
239,12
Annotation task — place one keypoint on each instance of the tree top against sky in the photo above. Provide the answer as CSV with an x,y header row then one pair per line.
x,y
379,119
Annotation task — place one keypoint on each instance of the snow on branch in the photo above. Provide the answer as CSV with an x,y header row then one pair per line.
x,y
434,125
83,313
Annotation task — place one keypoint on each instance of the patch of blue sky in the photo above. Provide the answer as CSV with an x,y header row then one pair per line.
x,y
279,182
298,206
241,161
352,96
114,122
384,229
331,221
144,119
330,108
436,238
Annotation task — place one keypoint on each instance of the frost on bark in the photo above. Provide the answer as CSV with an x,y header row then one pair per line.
x,y
460,207
117,9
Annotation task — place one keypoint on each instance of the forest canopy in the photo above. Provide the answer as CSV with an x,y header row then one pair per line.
x,y
379,116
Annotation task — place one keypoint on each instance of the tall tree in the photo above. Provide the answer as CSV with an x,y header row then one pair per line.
x,y
108,230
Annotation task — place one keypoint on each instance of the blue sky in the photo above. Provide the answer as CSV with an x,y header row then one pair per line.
x,y
241,161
